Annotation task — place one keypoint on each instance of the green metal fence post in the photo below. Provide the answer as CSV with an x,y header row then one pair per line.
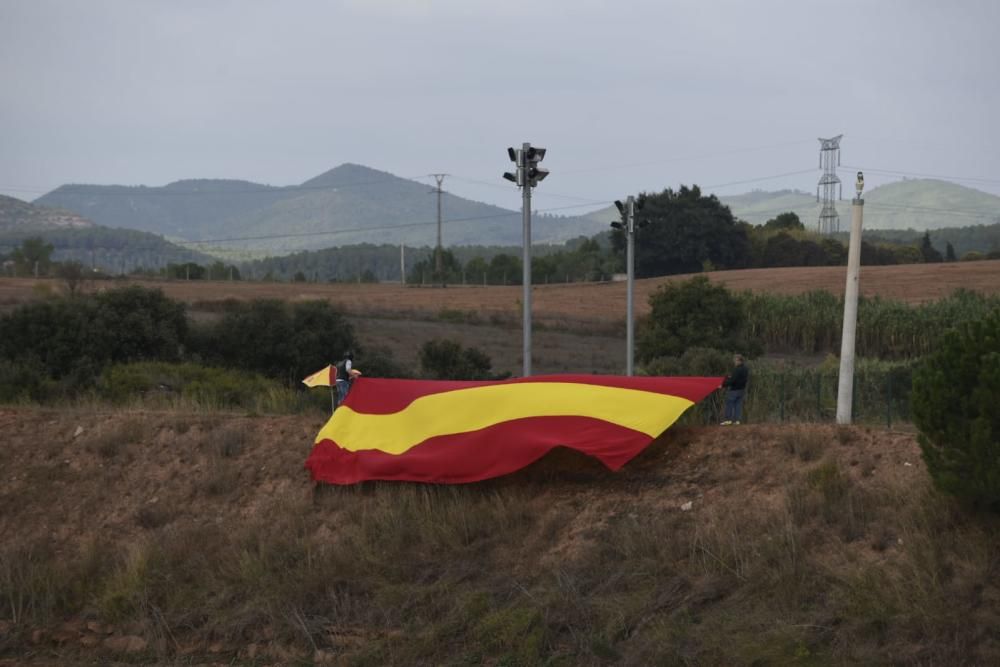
x,y
854,399
819,397
888,400
781,400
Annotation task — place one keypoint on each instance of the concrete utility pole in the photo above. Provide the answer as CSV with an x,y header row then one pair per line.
x,y
527,176
845,388
402,265
438,249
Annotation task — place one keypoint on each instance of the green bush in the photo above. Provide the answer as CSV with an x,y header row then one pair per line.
x,y
443,359
701,361
25,380
74,338
693,313
195,385
956,406
277,339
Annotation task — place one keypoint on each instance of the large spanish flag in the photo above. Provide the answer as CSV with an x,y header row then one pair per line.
x,y
455,432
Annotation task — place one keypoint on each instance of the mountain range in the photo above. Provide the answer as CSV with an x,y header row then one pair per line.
x,y
354,204
349,204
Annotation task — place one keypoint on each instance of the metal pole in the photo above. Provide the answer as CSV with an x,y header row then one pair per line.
x,y
437,252
781,401
630,268
526,258
402,265
888,400
845,389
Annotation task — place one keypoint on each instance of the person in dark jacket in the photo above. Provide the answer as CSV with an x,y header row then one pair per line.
x,y
346,374
736,387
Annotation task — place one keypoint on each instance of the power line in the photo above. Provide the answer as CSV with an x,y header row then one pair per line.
x,y
374,229
897,172
689,158
762,178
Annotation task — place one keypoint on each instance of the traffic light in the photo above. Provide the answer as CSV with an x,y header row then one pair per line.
x,y
528,172
516,176
623,225
531,159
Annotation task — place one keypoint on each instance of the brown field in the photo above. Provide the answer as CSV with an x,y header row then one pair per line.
x,y
579,327
575,304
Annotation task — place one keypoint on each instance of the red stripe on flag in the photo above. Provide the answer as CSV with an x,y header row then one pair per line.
x,y
385,396
471,457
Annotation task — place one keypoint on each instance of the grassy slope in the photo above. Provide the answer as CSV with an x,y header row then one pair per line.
x,y
163,537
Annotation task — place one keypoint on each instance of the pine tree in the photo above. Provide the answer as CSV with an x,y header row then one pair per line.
x,y
956,406
949,253
929,252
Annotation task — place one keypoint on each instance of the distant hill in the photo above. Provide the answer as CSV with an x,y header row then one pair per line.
x,y
350,204
918,204
76,238
18,216
188,209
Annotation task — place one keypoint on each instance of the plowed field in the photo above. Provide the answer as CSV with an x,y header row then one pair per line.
x,y
576,302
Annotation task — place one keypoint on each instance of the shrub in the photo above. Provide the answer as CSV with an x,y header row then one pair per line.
x,y
25,380
689,314
276,339
695,361
74,338
202,386
956,394
443,359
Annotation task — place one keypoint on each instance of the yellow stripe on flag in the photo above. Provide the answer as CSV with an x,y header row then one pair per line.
x,y
465,410
318,379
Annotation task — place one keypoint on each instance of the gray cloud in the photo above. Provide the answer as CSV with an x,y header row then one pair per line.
x,y
627,96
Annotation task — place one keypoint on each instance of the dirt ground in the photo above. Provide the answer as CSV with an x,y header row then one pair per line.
x,y
565,305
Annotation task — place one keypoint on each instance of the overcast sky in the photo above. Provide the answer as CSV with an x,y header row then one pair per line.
x,y
628,96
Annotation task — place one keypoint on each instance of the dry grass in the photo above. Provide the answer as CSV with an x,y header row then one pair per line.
x,y
783,559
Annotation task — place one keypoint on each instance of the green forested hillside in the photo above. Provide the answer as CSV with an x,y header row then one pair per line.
x,y
110,250
76,238
20,216
188,209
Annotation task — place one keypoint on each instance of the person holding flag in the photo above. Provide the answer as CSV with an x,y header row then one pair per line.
x,y
346,374
338,377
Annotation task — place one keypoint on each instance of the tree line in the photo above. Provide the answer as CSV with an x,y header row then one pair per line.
x,y
688,232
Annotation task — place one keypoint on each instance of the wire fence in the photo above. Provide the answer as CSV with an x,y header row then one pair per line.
x,y
881,397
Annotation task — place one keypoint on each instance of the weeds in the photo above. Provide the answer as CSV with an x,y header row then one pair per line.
x,y
837,569
111,441
807,444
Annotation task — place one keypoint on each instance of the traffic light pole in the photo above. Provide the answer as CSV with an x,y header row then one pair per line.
x,y
526,261
527,176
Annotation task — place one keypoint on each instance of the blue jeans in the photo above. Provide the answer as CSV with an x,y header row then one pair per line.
x,y
734,404
342,388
